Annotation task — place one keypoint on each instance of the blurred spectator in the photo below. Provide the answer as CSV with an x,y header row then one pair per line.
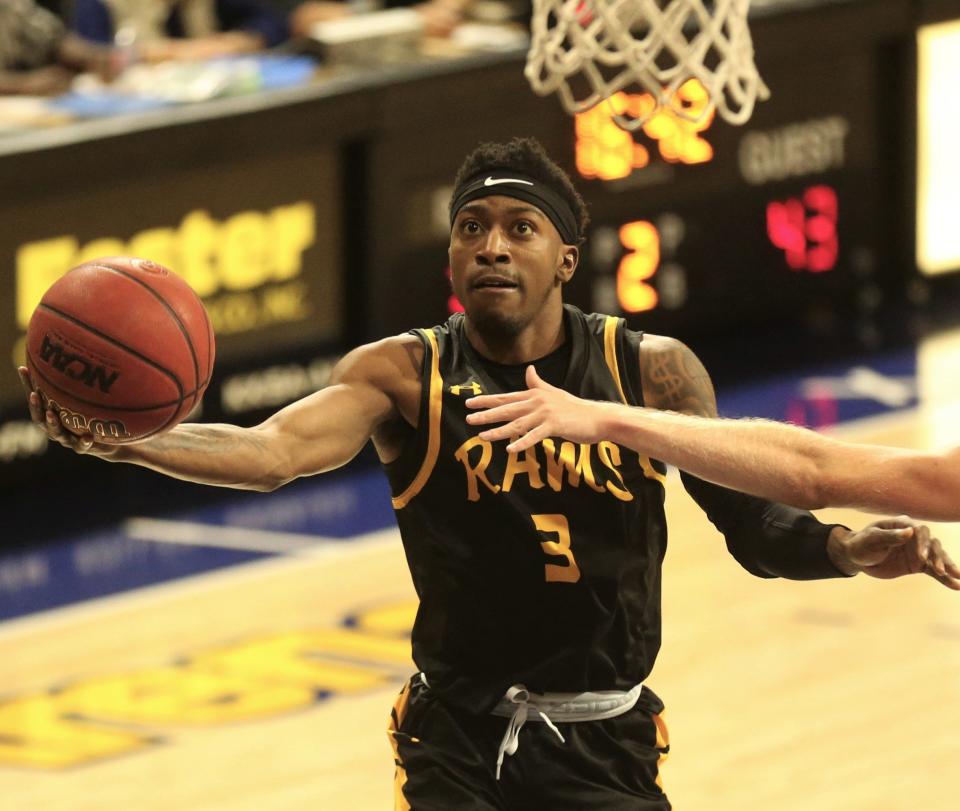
x,y
158,30
38,56
440,17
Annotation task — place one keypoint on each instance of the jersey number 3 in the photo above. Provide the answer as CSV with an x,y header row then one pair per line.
x,y
553,524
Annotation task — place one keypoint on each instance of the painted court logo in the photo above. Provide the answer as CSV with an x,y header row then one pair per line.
x,y
99,717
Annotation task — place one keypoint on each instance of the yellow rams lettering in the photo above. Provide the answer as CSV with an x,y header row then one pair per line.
x,y
575,465
570,465
526,463
476,473
610,456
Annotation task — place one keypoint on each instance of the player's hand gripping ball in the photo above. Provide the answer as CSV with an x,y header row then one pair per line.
x,y
120,348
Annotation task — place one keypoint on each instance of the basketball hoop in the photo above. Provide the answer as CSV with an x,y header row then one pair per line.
x,y
587,50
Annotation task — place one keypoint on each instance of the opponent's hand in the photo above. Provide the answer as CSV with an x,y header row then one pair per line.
x,y
540,411
49,421
895,547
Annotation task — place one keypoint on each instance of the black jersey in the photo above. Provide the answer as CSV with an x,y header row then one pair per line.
x,y
540,567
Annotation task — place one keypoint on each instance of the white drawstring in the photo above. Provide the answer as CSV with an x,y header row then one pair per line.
x,y
519,695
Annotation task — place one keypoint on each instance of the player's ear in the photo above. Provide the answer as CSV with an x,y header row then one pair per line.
x,y
569,258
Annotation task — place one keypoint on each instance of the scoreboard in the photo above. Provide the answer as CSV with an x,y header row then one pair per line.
x,y
313,225
800,219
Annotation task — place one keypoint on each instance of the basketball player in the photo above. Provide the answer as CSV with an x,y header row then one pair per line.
x,y
538,572
769,459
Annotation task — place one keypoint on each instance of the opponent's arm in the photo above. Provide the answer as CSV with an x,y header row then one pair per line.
x,y
800,467
772,460
768,539
318,433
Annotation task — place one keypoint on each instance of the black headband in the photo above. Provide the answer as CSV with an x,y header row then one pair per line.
x,y
513,184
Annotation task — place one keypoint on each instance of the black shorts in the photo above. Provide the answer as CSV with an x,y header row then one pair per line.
x,y
446,760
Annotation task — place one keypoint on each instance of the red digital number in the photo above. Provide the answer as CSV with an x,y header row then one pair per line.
x,y
805,229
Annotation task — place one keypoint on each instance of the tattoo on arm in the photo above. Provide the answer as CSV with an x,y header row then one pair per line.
x,y
675,380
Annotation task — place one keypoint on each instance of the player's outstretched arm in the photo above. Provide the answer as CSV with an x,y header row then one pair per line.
x,y
320,432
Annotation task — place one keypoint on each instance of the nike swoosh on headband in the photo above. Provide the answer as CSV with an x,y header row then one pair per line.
x,y
491,182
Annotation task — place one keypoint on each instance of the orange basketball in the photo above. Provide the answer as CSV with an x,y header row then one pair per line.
x,y
121,348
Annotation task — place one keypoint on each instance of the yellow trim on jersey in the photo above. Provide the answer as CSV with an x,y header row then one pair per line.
x,y
610,351
393,726
662,744
610,354
399,798
433,440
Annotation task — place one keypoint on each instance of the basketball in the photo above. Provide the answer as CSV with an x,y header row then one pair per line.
x,y
121,348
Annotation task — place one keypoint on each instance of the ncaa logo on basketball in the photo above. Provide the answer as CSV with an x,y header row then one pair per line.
x,y
80,424
75,366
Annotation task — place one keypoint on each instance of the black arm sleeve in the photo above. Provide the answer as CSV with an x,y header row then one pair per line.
x,y
767,539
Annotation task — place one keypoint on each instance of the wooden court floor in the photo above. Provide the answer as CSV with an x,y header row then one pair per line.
x,y
267,686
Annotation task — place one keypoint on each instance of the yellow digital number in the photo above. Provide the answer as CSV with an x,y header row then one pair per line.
x,y
638,266
558,525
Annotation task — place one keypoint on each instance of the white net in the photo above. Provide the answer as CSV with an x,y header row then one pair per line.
x,y
588,50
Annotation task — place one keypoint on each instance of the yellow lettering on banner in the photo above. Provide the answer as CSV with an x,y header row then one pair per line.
x,y
243,251
232,313
40,264
292,231
524,462
35,732
182,695
157,244
197,244
476,473
610,456
98,249
288,302
250,249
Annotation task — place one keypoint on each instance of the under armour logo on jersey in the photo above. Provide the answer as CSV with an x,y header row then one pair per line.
x,y
473,387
